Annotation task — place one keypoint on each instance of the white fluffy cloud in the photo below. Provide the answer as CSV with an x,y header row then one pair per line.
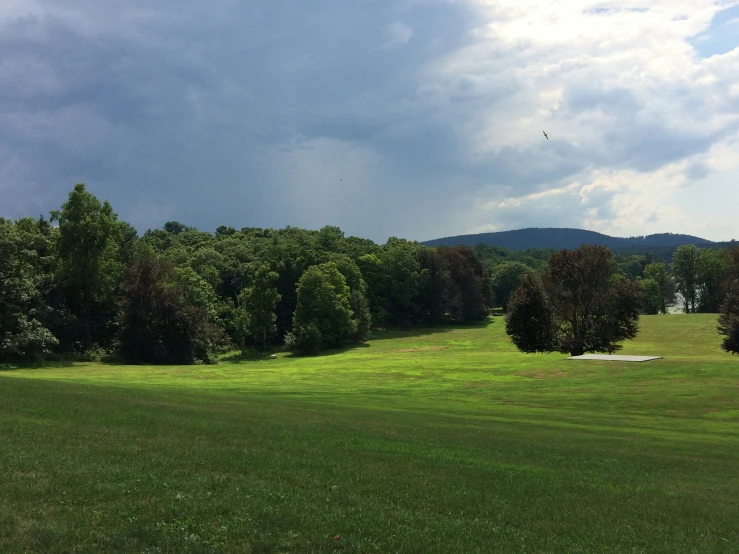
x,y
621,94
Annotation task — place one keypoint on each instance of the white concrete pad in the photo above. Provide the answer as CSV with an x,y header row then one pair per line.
x,y
615,358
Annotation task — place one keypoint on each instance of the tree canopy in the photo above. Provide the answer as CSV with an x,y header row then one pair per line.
x,y
73,286
579,305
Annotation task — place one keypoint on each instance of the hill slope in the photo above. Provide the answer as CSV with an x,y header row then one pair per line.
x,y
522,239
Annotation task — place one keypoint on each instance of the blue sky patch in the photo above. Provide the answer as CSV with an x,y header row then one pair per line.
x,y
721,37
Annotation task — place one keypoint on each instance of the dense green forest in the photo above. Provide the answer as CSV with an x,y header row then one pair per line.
x,y
83,283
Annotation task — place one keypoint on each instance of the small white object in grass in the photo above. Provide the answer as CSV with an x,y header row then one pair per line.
x,y
273,357
615,358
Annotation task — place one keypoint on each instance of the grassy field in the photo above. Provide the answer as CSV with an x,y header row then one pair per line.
x,y
447,441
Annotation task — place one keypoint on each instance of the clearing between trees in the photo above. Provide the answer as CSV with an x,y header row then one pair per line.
x,y
446,440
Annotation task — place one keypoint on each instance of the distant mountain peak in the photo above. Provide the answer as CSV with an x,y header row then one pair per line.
x,y
559,238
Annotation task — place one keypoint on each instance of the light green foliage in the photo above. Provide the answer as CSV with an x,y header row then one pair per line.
x,y
22,335
434,442
357,293
361,314
657,272
258,302
330,238
349,269
200,293
206,261
27,340
505,279
374,275
158,240
653,301
323,316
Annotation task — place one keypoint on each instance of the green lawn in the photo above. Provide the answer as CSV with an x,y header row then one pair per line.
x,y
447,441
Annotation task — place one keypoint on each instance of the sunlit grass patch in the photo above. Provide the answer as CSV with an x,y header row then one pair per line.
x,y
447,441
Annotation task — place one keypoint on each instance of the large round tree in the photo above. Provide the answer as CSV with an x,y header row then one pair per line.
x,y
323,316
578,305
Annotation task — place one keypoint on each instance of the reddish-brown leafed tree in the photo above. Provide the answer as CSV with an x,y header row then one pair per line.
x,y
729,319
158,324
578,305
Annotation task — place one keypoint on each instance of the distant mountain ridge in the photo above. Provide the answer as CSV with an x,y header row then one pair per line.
x,y
537,237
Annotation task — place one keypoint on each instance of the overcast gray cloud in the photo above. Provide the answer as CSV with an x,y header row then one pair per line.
x,y
417,118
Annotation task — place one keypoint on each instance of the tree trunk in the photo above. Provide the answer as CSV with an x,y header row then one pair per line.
x,y
88,324
264,340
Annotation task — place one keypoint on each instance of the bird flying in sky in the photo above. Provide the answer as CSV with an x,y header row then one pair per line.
x,y
545,134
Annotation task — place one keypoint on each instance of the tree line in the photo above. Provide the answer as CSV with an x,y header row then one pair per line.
x,y
581,302
693,278
84,283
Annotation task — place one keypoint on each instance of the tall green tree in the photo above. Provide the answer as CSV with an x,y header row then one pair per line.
x,y
652,299
357,292
323,316
361,315
88,247
710,274
657,272
402,270
505,279
23,336
586,306
375,276
258,301
685,270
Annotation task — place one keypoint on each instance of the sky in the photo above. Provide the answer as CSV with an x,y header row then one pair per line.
x,y
410,118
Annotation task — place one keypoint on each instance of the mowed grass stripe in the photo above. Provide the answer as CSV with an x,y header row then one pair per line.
x,y
481,449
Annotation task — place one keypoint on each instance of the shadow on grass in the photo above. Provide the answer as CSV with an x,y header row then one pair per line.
x,y
385,334
238,358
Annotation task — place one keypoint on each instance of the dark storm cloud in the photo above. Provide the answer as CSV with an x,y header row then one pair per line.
x,y
181,103
293,113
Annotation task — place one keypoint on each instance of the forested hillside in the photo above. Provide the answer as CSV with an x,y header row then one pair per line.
x,y
84,284
545,238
